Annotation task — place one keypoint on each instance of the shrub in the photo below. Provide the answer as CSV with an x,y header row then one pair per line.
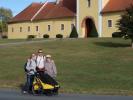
x,y
117,35
74,33
31,37
4,37
45,36
59,36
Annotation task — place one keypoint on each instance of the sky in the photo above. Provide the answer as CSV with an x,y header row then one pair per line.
x,y
18,5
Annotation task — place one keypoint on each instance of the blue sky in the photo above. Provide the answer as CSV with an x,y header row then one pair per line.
x,y
18,5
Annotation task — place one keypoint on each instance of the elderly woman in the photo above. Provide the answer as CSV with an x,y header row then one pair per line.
x,y
50,67
49,71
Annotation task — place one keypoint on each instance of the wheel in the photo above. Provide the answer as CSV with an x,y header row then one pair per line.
x,y
48,92
55,91
34,92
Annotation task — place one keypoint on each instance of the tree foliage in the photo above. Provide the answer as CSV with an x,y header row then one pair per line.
x,y
5,16
74,33
125,24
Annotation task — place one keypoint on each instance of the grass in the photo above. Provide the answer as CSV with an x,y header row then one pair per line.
x,y
17,40
92,66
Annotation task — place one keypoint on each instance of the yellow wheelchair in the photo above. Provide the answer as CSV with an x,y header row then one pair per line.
x,y
39,87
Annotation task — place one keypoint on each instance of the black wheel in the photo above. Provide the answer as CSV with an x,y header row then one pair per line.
x,y
48,92
55,91
34,92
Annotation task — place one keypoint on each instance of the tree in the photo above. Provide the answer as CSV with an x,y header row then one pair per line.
x,y
5,16
125,24
74,33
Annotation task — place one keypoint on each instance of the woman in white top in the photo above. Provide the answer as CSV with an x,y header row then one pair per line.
x,y
31,70
40,61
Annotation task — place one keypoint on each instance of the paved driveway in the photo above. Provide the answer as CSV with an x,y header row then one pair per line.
x,y
16,95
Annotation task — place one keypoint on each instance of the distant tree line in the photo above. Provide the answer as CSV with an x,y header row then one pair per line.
x,y
5,16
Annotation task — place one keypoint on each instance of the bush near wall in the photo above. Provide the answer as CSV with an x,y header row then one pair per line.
x,y
117,35
59,36
45,36
4,37
31,37
74,33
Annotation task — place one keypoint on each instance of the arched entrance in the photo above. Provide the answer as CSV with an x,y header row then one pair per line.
x,y
89,28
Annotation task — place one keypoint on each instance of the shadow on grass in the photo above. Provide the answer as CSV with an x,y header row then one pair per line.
x,y
112,44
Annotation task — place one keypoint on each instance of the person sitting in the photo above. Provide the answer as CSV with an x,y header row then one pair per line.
x,y
50,67
41,69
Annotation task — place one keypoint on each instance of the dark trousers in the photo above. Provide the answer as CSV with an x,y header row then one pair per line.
x,y
30,79
47,79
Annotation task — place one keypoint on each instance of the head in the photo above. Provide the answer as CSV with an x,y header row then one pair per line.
x,y
48,58
40,52
33,56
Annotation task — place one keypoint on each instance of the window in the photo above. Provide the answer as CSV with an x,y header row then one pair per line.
x,y
28,28
12,29
49,28
89,3
62,26
20,29
72,25
37,28
109,23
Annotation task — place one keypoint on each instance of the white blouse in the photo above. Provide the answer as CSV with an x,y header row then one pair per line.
x,y
40,61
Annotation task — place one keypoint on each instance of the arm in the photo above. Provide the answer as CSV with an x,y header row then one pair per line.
x,y
28,65
54,68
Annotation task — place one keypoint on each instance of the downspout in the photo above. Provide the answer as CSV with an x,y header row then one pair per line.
x,y
99,18
77,18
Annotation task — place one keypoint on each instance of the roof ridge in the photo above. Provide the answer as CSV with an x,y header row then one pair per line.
x,y
39,10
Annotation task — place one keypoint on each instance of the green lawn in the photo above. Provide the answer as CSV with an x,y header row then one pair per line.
x,y
11,40
94,66
16,40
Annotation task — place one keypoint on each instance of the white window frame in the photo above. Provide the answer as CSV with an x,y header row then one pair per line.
x,y
37,28
72,25
12,29
89,3
108,24
49,28
62,27
21,29
29,28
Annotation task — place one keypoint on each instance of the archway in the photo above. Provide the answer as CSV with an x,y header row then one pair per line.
x,y
89,28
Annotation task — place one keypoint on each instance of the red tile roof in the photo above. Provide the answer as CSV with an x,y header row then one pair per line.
x,y
27,13
70,4
54,11
47,11
44,12
117,5
60,12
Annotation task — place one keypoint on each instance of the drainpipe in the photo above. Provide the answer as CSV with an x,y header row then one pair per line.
x,y
99,18
77,18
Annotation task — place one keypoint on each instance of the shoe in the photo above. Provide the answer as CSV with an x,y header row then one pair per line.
x,y
25,92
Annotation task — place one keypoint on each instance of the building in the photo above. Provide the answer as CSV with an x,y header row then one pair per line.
x,y
90,17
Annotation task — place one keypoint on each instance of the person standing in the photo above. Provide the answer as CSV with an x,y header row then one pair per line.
x,y
31,70
40,60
